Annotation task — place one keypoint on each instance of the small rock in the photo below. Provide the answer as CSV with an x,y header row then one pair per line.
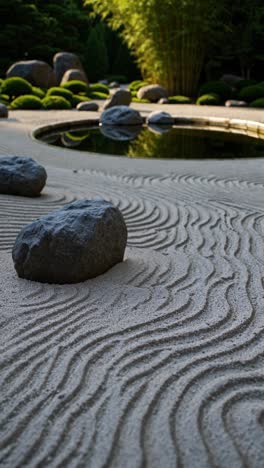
x,y
152,92
80,241
234,103
114,85
160,118
21,176
121,115
74,74
121,133
231,79
121,97
163,101
36,72
3,111
87,106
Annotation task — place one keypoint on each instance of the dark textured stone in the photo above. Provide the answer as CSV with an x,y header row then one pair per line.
x,y
21,176
80,241
87,106
36,72
121,115
121,97
3,111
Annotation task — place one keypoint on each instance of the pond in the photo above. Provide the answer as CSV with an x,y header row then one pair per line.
x,y
158,142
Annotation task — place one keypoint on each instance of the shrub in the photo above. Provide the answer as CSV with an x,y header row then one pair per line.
x,y
259,103
16,87
208,100
4,98
97,95
76,86
244,84
142,101
179,100
76,99
251,93
99,88
119,78
1,82
55,102
38,92
221,89
136,85
58,91
27,101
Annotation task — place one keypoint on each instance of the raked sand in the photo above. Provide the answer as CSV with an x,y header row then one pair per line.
x,y
159,362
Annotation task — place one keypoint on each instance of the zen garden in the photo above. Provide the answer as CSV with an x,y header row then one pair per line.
x,y
132,234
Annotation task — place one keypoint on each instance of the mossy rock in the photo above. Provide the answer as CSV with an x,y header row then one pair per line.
x,y
179,100
76,86
258,103
251,93
59,91
208,100
38,92
56,102
221,89
99,88
15,87
97,95
27,102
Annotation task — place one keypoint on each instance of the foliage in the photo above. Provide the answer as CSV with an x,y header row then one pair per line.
x,y
251,93
97,52
38,92
76,86
223,90
179,100
208,100
98,87
59,91
4,99
259,103
28,102
136,85
244,84
56,102
142,101
76,99
98,95
15,86
122,79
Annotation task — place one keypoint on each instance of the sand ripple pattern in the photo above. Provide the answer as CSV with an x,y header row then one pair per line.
x,y
158,363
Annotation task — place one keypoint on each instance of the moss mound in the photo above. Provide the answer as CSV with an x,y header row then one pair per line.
x,y
142,101
251,93
27,102
99,88
136,85
221,89
97,95
56,102
76,99
208,100
58,91
15,87
179,100
76,86
38,92
244,84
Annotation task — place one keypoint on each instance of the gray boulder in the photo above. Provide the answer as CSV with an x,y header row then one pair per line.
x,y
3,111
74,74
87,106
36,72
121,97
152,92
21,176
234,103
80,241
160,118
64,61
121,115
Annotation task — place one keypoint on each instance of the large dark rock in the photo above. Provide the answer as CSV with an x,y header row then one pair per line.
x,y
74,74
121,97
121,115
80,241
21,176
36,72
87,106
64,61
152,92
3,111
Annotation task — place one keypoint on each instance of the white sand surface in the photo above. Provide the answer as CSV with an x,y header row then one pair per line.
x,y
159,362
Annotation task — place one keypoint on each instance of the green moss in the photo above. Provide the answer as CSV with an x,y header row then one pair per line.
x,y
99,88
142,101
38,92
27,101
76,86
97,95
244,84
208,100
136,85
55,102
258,103
58,91
221,89
16,86
76,99
179,100
251,93
4,98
